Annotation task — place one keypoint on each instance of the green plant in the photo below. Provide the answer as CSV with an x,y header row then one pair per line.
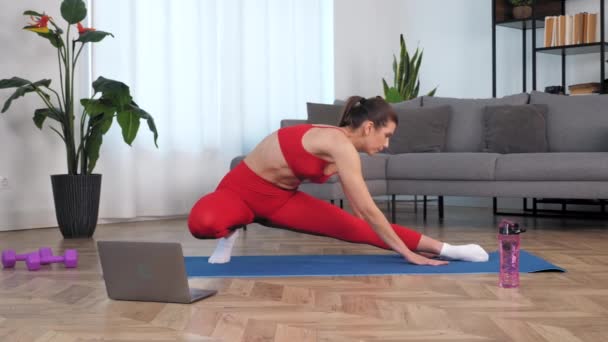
x,y
110,98
406,84
521,2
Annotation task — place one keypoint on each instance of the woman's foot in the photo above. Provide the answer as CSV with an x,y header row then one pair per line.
x,y
223,250
471,252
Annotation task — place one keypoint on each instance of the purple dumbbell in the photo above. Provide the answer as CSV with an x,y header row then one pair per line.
x,y
10,258
69,259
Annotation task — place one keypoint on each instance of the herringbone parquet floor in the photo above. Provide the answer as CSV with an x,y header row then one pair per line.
x,y
55,304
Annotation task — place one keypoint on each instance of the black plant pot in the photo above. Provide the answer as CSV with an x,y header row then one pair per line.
x,y
76,203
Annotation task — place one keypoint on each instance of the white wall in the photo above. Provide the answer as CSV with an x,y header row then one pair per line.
x,y
28,156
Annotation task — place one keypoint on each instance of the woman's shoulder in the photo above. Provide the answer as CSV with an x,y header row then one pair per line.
x,y
333,133
329,139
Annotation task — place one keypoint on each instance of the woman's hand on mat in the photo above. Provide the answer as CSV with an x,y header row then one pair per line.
x,y
418,259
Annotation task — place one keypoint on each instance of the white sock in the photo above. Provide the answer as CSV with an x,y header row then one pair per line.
x,y
223,250
463,252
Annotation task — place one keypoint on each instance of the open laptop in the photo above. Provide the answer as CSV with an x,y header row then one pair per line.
x,y
147,271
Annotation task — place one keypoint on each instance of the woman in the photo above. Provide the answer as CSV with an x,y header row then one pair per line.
x,y
263,188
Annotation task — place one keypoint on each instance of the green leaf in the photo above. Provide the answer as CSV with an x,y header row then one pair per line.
x,y
116,92
399,75
13,82
108,118
28,88
393,96
405,74
53,37
417,64
92,145
98,126
395,70
416,90
93,36
385,87
432,92
145,115
34,13
129,122
73,11
96,107
43,113
43,83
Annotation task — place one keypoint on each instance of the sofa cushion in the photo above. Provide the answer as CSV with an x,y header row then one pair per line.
x,y
565,166
292,122
575,123
515,129
420,130
373,167
323,114
465,131
235,161
409,104
442,166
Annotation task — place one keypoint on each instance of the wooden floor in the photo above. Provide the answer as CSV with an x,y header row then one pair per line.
x,y
55,304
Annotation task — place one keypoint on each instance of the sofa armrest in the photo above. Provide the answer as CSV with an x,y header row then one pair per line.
x,y
292,122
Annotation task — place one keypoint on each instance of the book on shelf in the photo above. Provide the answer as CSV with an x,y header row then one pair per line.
x,y
591,29
579,28
549,31
584,94
584,88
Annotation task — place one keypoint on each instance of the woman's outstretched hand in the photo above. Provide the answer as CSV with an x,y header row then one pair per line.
x,y
418,259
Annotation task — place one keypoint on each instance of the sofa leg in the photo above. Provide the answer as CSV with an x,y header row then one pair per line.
x,y
494,205
534,207
332,201
393,214
341,204
424,207
440,205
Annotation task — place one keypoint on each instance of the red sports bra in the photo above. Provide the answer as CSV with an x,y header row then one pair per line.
x,y
303,164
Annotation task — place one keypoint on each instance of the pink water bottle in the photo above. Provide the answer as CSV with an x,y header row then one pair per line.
x,y
508,245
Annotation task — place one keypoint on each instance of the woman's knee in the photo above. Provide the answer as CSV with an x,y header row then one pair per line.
x,y
206,224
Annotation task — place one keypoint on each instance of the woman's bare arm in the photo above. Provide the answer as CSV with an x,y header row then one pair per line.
x,y
348,163
356,211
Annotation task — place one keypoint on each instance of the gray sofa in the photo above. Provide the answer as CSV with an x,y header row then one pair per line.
x,y
575,165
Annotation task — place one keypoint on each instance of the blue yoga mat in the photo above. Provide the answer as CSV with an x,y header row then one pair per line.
x,y
347,265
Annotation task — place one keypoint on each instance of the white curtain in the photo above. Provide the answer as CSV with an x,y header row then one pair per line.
x,y
217,76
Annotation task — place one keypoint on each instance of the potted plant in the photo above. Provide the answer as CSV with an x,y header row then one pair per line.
x,y
522,9
76,194
406,84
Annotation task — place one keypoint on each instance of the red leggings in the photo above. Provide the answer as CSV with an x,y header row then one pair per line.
x,y
243,197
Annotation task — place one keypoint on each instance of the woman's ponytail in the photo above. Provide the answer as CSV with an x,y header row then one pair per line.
x,y
359,109
346,117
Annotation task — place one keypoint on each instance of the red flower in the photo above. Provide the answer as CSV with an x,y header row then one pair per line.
x,y
82,29
40,25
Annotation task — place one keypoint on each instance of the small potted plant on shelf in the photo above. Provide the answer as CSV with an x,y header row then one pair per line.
x,y
522,9
76,193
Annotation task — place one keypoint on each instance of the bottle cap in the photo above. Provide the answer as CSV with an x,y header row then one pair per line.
x,y
508,227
